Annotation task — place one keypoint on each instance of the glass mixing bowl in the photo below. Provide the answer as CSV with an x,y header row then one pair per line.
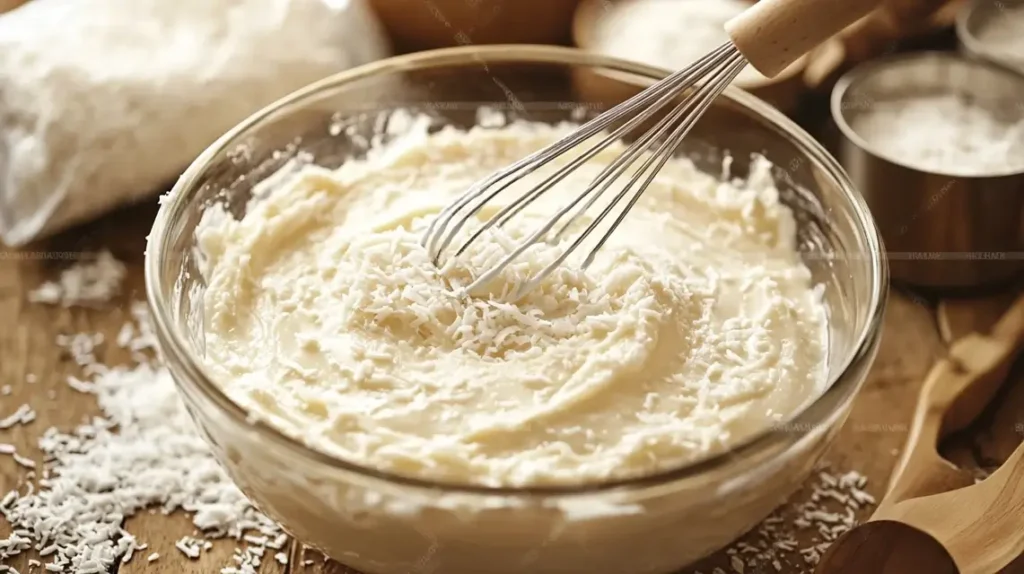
x,y
386,524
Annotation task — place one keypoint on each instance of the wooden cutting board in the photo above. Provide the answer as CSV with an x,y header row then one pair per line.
x,y
869,442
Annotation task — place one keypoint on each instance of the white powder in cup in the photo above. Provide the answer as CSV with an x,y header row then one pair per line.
x,y
944,133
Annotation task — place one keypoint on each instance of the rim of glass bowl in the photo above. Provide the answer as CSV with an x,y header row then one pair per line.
x,y
175,348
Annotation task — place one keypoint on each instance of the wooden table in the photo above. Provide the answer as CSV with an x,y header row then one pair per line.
x,y
869,442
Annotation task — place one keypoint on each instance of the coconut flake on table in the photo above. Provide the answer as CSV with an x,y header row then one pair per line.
x,y
143,452
84,283
819,518
21,416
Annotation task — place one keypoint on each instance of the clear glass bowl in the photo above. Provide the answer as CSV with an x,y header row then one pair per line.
x,y
386,524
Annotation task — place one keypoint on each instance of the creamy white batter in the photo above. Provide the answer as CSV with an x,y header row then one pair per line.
x,y
696,326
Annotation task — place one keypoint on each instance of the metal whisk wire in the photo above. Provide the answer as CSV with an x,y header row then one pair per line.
x,y
717,70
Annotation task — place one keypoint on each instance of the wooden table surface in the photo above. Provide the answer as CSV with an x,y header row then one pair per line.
x,y
868,443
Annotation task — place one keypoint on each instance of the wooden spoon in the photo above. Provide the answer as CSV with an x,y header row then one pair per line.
x,y
973,530
955,392
886,547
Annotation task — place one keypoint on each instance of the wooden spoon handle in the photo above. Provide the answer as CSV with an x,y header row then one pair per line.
x,y
954,394
773,34
920,470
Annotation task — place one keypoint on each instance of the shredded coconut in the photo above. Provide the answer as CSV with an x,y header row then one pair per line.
x,y
947,133
828,510
84,283
190,547
23,461
143,452
22,416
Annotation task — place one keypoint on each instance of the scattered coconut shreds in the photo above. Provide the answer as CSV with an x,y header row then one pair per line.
x,y
189,547
85,283
22,416
142,452
23,461
829,512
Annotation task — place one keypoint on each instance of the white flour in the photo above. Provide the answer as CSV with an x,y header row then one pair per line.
x,y
943,133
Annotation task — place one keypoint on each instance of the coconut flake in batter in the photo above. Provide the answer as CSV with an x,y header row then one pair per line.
x,y
695,327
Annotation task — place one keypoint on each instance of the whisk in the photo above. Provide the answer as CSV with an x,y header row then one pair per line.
x,y
770,36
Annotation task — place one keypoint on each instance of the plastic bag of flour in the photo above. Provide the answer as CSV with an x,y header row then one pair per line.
x,y
102,102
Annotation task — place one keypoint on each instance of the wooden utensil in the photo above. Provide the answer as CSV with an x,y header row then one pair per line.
x,y
978,528
959,317
886,547
929,515
955,392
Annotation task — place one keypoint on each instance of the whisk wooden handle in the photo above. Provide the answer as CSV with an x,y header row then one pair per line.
x,y
773,34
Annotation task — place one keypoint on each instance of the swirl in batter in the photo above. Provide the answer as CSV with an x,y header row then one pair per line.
x,y
696,326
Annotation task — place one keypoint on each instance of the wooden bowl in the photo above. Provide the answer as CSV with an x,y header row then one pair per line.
x,y
784,91
415,25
